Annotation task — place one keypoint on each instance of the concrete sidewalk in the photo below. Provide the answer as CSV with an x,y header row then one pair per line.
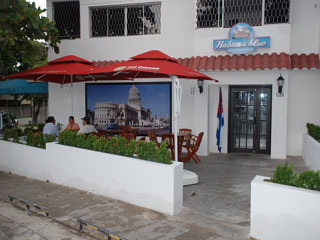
x,y
18,225
217,208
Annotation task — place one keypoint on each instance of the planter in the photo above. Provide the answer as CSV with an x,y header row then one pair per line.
x,y
311,152
147,184
283,212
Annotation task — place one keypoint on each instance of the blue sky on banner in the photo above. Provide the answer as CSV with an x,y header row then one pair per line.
x,y
154,96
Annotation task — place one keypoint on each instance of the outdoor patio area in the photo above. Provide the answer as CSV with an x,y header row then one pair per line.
x,y
216,208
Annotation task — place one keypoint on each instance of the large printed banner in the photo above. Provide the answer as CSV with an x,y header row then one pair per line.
x,y
241,40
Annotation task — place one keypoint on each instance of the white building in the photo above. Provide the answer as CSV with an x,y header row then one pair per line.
x,y
256,118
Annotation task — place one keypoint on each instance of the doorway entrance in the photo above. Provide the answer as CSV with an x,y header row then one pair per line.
x,y
250,119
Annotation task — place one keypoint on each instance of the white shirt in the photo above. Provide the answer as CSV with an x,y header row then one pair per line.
x,y
87,129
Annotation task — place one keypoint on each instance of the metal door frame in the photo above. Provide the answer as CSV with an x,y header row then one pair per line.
x,y
256,133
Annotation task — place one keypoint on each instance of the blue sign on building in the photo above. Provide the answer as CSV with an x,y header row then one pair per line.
x,y
241,40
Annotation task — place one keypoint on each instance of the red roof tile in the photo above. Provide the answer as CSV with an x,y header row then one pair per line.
x,y
246,62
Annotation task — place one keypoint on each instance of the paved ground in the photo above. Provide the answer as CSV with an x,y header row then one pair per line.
x,y
217,208
18,225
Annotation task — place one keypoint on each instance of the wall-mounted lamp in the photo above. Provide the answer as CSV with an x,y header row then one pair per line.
x,y
200,85
280,82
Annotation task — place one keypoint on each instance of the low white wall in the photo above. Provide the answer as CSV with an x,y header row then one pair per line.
x,y
144,183
311,152
283,212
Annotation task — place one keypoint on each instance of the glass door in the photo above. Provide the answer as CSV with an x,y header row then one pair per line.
x,y
250,115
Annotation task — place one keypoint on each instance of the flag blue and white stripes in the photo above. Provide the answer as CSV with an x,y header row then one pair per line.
x,y
220,121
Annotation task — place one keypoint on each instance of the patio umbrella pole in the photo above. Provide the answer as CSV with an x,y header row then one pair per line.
x,y
71,93
176,104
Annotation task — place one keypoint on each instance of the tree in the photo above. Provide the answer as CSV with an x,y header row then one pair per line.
x,y
38,101
21,26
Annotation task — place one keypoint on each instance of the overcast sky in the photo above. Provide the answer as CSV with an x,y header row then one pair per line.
x,y
40,3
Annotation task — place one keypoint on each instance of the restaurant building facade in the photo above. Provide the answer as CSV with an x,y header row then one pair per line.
x,y
247,45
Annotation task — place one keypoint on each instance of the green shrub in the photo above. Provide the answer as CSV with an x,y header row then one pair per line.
x,y
27,130
88,144
146,150
163,155
307,179
6,134
15,135
40,127
284,175
100,145
68,137
49,137
131,148
38,139
314,131
80,141
117,145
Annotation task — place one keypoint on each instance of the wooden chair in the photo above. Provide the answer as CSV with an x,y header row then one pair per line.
x,y
170,138
193,146
127,135
126,128
185,130
152,137
135,132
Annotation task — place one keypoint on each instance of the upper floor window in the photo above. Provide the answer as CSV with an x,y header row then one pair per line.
x,y
67,18
129,20
226,13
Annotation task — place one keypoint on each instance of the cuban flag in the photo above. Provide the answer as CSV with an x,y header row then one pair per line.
x,y
220,121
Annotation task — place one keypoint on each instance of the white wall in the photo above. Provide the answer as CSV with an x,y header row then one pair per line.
x,y
283,212
303,107
144,183
311,152
179,36
305,26
176,39
279,107
59,102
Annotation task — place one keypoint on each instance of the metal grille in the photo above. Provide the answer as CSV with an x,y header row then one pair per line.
x,y
248,11
142,19
209,13
226,13
276,11
67,19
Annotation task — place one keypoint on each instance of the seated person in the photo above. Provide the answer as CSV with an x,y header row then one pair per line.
x,y
87,128
72,125
50,127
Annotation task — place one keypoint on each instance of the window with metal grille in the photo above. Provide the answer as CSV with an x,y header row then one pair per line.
x,y
67,18
129,20
226,13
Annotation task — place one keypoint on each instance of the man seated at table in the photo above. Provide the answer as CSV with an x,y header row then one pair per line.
x,y
87,128
50,127
72,125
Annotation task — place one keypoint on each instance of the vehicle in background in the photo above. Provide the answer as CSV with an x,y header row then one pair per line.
x,y
7,120
113,126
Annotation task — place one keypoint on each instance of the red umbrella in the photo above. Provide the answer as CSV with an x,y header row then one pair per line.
x,y
62,70
154,64
67,69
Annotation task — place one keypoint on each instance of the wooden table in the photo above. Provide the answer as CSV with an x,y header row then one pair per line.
x,y
181,140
